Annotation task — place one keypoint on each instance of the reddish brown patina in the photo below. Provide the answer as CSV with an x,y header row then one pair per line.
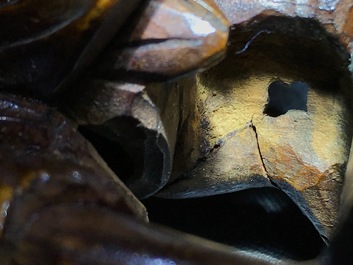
x,y
173,96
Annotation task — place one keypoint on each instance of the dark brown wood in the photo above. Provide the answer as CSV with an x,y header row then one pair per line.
x,y
44,161
170,39
117,101
206,134
60,204
225,141
37,56
118,239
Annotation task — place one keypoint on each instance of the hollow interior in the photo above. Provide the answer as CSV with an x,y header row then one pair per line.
x,y
121,144
239,91
263,220
296,92
135,154
112,153
283,97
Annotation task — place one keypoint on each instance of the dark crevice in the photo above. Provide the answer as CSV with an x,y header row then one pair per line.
x,y
139,43
113,153
283,97
260,154
210,150
215,147
264,220
258,146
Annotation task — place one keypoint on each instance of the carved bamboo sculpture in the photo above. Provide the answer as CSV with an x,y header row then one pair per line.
x,y
268,128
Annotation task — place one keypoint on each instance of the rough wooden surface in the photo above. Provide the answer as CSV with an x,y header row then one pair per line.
x,y
303,153
136,119
335,16
214,125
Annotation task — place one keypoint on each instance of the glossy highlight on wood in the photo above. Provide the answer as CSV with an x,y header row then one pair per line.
x,y
108,105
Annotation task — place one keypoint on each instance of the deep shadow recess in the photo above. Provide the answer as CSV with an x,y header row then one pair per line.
x,y
263,220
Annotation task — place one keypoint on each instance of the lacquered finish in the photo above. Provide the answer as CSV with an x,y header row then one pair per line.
x,y
44,44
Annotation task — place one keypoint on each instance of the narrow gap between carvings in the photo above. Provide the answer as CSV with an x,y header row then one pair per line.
x,y
264,220
111,152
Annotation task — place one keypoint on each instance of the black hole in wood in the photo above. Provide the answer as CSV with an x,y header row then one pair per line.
x,y
264,220
112,153
284,97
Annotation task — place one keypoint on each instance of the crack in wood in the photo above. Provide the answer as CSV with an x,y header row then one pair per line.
x,y
253,127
